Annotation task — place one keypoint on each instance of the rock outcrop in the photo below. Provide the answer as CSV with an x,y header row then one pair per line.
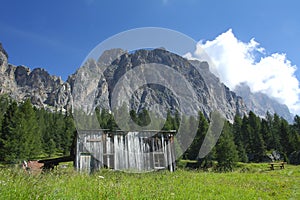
x,y
43,89
209,93
93,84
260,103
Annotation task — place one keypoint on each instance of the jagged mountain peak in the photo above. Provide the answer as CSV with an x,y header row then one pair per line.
x,y
260,103
43,89
108,56
208,95
3,59
2,50
46,90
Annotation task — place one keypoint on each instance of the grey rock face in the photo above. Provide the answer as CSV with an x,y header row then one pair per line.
x,y
260,103
92,86
6,74
3,59
37,85
223,98
88,85
210,94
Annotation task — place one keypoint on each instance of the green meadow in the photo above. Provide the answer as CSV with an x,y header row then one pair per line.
x,y
248,181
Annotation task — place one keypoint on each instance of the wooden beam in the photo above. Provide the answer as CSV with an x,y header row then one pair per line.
x,y
94,140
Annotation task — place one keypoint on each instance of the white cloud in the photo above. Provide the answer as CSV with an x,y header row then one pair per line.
x,y
236,62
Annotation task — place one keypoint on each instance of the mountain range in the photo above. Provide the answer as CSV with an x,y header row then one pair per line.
x,y
91,87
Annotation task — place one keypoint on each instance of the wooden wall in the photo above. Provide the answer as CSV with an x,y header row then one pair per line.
x,y
133,151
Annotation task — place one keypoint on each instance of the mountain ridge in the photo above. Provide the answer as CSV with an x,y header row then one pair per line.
x,y
49,91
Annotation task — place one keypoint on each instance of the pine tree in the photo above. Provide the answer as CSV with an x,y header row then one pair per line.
x,y
133,116
285,139
266,132
238,138
69,133
7,132
31,134
275,129
43,121
208,148
176,120
49,146
294,156
181,136
193,151
122,116
257,144
105,117
169,122
21,139
98,114
57,129
295,133
48,132
245,135
111,123
4,103
226,153
144,118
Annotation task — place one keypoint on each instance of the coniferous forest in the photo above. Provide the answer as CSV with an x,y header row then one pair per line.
x,y
27,132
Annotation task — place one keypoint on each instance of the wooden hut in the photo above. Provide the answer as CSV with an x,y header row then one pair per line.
x,y
133,151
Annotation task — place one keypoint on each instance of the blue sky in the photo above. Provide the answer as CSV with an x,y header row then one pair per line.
x,y
57,35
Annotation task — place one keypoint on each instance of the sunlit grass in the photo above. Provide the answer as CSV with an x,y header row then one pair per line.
x,y
249,181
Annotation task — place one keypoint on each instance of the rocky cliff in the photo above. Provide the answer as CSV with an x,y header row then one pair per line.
x,y
210,93
44,90
92,86
260,103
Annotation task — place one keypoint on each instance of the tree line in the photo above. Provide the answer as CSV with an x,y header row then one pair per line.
x,y
249,139
27,132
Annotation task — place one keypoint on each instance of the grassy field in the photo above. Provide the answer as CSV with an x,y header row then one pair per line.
x,y
249,181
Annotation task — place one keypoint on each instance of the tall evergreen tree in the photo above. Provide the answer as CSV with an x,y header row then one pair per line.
x,y
144,118
246,134
238,138
296,133
133,116
105,118
275,129
193,151
49,146
169,122
111,123
226,153
285,138
7,131
266,132
47,130
22,137
256,140
4,103
180,136
30,131
69,133
177,119
57,129
122,116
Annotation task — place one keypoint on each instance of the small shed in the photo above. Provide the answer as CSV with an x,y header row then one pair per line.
x,y
120,150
